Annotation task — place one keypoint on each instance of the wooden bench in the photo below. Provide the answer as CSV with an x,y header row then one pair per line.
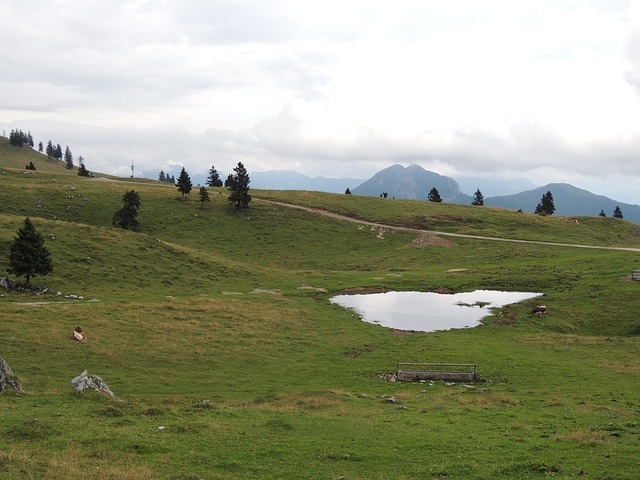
x,y
450,372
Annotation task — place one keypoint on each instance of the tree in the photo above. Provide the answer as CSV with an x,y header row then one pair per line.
x,y
239,187
58,152
214,180
434,196
162,177
68,157
347,191
617,213
602,214
40,147
50,149
126,216
82,170
478,198
184,183
204,196
546,206
28,255
30,166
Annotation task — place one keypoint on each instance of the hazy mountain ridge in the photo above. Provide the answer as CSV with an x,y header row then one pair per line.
x,y
414,182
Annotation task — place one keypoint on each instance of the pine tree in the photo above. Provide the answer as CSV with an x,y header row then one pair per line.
x,y
58,152
602,214
434,196
204,196
68,157
214,180
184,183
126,216
40,147
347,191
82,170
617,213
546,205
162,176
50,150
478,198
239,187
28,255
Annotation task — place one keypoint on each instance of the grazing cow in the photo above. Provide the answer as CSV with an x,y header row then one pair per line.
x,y
79,334
539,310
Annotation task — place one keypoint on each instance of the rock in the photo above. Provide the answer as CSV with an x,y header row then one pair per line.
x,y
84,382
8,381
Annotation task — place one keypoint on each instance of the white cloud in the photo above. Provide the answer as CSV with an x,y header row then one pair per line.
x,y
332,88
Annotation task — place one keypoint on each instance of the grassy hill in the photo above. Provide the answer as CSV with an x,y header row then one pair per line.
x,y
217,326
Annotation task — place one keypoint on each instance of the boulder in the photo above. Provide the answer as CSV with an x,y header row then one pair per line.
x,y
84,382
8,381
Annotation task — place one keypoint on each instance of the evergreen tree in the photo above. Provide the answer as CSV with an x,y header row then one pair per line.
x,y
28,255
347,191
204,196
228,181
434,196
173,179
184,183
239,187
602,214
214,180
162,177
58,152
30,139
68,157
50,149
40,147
82,171
617,213
546,206
126,216
478,198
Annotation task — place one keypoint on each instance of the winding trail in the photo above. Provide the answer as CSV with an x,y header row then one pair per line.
x,y
339,216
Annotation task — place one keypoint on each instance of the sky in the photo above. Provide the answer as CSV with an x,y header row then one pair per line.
x,y
547,90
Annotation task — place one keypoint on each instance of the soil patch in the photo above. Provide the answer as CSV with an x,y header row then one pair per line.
x,y
356,290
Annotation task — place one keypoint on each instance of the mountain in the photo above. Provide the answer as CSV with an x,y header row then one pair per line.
x,y
494,187
289,180
568,200
412,182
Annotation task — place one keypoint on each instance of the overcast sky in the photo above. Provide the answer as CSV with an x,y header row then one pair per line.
x,y
548,90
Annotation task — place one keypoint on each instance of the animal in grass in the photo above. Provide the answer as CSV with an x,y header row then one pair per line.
x,y
79,334
539,310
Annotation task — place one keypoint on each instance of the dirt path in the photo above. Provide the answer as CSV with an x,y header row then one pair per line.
x,y
338,216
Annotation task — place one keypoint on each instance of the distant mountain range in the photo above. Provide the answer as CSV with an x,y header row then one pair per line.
x,y
414,182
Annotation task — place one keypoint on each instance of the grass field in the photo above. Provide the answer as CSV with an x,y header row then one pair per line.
x,y
227,360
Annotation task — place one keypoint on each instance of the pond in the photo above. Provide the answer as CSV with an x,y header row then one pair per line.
x,y
429,311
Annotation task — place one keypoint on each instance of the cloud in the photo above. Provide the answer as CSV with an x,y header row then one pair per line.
x,y
330,88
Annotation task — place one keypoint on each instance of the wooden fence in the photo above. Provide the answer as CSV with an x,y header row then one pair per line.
x,y
451,372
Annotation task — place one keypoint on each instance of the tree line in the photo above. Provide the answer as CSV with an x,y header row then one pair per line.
x,y
18,138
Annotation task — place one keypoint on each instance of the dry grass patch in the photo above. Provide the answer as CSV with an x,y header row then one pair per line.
x,y
583,437
72,464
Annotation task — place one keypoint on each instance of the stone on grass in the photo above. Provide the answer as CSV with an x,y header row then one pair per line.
x,y
84,382
8,381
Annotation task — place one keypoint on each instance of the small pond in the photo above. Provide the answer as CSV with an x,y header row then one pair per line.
x,y
428,311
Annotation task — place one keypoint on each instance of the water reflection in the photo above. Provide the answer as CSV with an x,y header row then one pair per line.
x,y
428,311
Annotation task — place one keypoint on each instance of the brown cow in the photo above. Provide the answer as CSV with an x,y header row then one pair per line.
x,y
79,334
539,310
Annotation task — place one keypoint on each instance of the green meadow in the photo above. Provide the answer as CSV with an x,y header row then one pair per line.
x,y
215,332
